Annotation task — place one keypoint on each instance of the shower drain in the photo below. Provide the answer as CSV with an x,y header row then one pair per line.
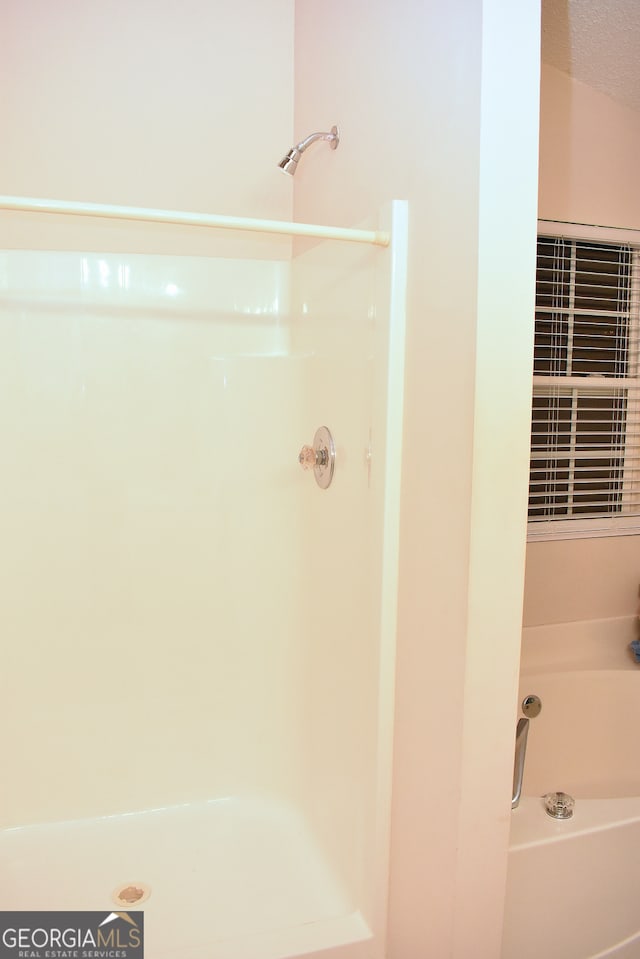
x,y
131,894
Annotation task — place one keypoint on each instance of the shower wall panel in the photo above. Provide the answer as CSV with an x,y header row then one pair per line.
x,y
149,522
342,310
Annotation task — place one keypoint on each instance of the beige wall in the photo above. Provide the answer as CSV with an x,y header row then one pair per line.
x,y
403,81
589,148
576,579
183,106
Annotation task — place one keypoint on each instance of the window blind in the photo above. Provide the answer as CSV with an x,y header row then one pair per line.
x,y
585,425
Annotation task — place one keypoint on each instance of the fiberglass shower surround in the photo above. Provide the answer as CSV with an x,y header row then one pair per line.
x,y
209,695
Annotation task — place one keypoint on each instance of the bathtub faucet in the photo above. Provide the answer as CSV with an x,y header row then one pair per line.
x,y
531,706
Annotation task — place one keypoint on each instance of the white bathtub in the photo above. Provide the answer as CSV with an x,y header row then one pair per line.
x,y
572,888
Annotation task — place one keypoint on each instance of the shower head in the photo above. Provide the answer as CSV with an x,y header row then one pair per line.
x,y
289,163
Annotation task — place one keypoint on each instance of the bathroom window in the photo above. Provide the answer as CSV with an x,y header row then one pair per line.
x,y
585,425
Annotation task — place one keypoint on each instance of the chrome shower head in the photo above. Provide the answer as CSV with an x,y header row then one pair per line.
x,y
289,164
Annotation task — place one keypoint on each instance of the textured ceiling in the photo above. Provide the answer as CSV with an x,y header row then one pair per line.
x,y
597,42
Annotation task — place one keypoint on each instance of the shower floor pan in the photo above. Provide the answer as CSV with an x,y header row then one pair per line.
x,y
226,879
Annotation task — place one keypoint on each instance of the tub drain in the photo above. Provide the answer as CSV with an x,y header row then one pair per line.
x,y
131,894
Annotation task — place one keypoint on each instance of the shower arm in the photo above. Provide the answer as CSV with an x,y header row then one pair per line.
x,y
289,163
332,137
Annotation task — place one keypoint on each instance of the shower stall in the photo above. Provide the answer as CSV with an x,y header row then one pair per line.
x,y
198,640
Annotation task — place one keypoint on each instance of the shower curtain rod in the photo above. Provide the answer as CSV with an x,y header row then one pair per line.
x,y
107,211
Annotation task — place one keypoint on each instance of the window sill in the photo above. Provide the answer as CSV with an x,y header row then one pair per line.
x,y
581,530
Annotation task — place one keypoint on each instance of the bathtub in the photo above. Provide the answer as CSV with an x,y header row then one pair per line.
x,y
572,886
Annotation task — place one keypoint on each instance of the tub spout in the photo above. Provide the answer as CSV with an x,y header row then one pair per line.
x,y
522,731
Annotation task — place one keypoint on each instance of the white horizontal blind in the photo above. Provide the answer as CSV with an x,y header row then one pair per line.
x,y
585,429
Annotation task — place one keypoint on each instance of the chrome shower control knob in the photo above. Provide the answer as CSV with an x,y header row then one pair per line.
x,y
559,805
320,457
307,458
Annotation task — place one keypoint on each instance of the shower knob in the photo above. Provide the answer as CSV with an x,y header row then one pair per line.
x,y
309,458
320,457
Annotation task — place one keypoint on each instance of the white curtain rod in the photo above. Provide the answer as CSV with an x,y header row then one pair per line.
x,y
35,205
